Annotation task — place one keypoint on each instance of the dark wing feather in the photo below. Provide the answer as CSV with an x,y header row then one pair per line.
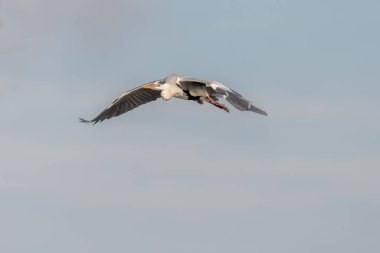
x,y
128,101
186,83
195,81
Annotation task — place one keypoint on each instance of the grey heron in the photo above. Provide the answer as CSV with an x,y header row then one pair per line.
x,y
199,90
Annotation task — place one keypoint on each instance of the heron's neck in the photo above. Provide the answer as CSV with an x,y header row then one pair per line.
x,y
168,91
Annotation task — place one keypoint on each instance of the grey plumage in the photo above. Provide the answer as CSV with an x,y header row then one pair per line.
x,y
242,104
234,98
128,101
199,90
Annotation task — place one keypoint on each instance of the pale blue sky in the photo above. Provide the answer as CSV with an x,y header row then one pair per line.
x,y
175,176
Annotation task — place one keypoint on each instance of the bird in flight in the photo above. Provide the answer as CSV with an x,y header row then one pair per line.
x,y
198,90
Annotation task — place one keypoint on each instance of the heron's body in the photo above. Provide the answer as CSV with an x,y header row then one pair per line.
x,y
172,88
199,90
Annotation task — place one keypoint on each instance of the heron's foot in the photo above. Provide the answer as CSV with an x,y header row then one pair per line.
x,y
217,104
225,108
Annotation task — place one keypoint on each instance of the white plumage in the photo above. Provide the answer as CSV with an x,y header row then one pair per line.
x,y
199,90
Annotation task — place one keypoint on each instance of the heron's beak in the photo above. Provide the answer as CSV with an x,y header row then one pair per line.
x,y
152,86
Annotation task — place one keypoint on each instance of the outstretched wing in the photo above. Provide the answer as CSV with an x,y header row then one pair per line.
x,y
128,101
234,98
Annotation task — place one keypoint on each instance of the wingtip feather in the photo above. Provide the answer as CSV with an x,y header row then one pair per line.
x,y
259,111
263,113
84,121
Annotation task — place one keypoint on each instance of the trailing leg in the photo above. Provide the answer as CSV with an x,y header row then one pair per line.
x,y
217,104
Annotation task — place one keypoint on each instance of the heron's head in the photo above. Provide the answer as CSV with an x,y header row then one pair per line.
x,y
156,85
